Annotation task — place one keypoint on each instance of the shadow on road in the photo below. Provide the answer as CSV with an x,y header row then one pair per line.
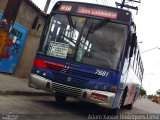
x,y
46,108
75,107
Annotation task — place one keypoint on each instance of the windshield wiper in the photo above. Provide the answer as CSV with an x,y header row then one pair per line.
x,y
98,25
70,20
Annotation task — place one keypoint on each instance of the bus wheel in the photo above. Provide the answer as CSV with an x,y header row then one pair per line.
x,y
129,107
123,97
113,111
60,98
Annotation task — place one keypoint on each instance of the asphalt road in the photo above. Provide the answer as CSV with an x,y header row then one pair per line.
x,y
45,108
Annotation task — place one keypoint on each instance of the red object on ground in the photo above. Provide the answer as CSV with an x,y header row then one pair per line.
x,y
157,100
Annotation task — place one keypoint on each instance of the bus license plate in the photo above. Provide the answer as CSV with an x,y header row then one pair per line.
x,y
100,97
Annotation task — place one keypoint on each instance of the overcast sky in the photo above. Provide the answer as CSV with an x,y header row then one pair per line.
x,y
148,25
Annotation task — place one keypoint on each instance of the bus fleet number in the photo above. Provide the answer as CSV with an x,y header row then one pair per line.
x,y
101,73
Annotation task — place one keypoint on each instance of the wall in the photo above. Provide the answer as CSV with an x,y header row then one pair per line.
x,y
25,17
3,4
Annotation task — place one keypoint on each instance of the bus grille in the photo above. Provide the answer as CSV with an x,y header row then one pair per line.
x,y
75,81
67,90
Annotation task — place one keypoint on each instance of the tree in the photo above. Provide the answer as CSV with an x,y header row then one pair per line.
x,y
158,92
143,92
150,96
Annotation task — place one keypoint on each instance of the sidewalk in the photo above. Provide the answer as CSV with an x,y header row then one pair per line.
x,y
17,86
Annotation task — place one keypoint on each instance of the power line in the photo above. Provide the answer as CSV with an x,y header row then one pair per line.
x,y
103,2
124,5
151,49
97,1
106,1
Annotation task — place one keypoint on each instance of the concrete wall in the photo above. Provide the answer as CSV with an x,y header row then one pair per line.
x,y
3,4
25,17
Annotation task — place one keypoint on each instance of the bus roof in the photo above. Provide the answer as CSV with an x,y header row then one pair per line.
x,y
94,10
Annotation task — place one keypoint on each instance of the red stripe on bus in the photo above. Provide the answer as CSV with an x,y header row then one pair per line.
x,y
131,94
39,63
50,65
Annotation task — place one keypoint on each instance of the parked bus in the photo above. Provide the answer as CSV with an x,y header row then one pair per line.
x,y
89,52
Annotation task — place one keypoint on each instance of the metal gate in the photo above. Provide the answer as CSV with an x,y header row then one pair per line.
x,y
13,49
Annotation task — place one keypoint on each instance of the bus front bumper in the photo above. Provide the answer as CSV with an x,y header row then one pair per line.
x,y
101,98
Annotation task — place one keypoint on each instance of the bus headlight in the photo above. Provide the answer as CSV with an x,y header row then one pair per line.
x,y
37,71
96,86
104,87
44,74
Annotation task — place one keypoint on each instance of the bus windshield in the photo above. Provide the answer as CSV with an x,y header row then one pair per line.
x,y
85,40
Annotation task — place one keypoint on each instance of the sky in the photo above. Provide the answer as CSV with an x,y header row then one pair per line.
x,y
148,24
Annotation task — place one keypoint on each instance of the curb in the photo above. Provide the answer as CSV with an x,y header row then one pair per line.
x,y
24,93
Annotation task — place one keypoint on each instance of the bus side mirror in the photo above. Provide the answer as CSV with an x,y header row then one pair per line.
x,y
133,44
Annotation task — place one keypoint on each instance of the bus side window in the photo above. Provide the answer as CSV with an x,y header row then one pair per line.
x,y
128,52
136,69
141,74
138,65
141,70
133,58
138,61
135,54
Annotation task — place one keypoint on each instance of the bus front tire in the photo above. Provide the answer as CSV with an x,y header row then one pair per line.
x,y
113,111
60,98
129,107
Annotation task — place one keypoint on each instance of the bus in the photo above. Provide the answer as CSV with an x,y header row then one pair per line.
x,y
89,52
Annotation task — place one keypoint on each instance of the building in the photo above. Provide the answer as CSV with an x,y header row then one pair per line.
x,y
24,20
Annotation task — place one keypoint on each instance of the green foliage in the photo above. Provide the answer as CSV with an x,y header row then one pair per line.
x,y
143,92
150,96
158,92
157,95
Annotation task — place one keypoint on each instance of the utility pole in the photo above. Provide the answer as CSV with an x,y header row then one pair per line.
x,y
9,17
123,4
46,6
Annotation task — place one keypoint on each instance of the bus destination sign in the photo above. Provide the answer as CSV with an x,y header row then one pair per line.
x,y
97,12
65,8
89,11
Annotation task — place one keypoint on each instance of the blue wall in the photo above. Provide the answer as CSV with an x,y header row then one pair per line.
x,y
0,16
12,52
